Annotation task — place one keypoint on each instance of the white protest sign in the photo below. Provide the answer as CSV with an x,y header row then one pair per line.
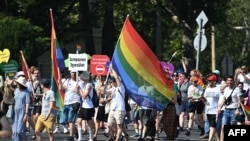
x,y
78,62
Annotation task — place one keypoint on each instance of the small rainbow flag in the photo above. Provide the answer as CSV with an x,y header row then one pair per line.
x,y
140,70
57,62
246,111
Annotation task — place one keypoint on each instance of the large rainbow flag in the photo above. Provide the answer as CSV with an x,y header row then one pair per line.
x,y
140,70
56,59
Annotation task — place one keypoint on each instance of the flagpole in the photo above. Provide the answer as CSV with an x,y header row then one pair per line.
x,y
172,56
27,69
127,18
106,81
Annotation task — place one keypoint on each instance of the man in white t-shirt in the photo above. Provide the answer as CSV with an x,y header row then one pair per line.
x,y
117,108
71,102
231,109
211,95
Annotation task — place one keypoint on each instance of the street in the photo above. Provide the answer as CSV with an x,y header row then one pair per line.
x,y
61,137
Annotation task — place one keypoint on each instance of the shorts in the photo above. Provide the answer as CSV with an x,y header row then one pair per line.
x,y
196,106
116,117
132,112
69,114
212,120
37,109
47,124
184,106
101,116
144,115
86,114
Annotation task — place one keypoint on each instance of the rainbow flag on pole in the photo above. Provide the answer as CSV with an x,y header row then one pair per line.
x,y
140,70
25,67
56,59
246,111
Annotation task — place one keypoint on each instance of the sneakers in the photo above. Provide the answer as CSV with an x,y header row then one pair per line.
x,y
188,132
202,132
181,129
204,137
157,136
33,137
65,130
27,130
106,135
56,131
134,136
137,137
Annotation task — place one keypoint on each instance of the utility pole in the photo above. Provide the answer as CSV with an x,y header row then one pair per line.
x,y
213,49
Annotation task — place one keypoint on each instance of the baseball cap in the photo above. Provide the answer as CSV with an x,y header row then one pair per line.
x,y
216,72
212,78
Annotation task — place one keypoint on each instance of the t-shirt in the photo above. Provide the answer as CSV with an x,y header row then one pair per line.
x,y
212,96
71,96
195,91
184,89
87,102
118,95
48,97
235,94
241,78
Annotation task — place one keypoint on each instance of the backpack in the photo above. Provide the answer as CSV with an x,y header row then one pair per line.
x,y
95,98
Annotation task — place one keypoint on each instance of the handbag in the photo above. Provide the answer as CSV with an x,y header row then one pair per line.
x,y
10,112
228,101
107,107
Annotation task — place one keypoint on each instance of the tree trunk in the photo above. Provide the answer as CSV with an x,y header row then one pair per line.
x,y
88,32
188,51
108,33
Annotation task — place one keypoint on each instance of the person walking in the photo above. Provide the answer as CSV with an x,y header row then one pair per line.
x,y
195,105
101,116
231,108
46,119
22,101
71,102
211,95
117,112
87,110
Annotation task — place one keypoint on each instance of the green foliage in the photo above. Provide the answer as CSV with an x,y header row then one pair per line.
x,y
25,25
18,34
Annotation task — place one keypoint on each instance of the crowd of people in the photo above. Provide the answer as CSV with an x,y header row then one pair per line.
x,y
29,103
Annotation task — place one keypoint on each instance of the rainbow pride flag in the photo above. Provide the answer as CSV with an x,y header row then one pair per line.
x,y
25,67
140,70
56,59
246,111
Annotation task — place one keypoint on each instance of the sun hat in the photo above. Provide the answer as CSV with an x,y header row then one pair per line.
x,y
72,71
45,82
85,75
20,73
22,81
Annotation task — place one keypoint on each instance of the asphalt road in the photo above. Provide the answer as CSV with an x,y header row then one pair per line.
x,y
61,137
